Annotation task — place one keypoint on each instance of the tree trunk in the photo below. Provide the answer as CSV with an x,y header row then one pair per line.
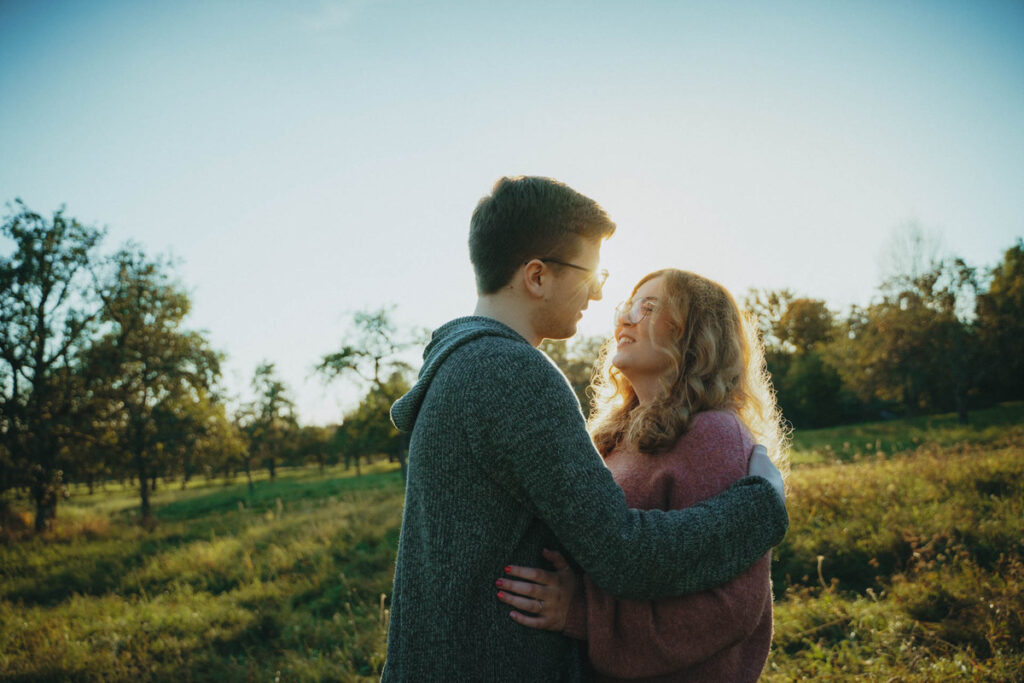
x,y
961,406
144,489
46,511
248,474
911,396
45,484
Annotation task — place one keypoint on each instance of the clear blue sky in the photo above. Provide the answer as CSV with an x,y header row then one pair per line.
x,y
308,159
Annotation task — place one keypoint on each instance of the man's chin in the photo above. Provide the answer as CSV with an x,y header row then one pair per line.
x,y
562,334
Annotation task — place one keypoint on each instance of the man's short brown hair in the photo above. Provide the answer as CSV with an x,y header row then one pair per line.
x,y
529,217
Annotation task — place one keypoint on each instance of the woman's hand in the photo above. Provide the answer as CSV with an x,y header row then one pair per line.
x,y
545,594
760,465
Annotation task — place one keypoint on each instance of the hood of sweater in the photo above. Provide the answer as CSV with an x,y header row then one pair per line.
x,y
443,342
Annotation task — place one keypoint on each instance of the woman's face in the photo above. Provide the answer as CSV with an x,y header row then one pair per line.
x,y
638,355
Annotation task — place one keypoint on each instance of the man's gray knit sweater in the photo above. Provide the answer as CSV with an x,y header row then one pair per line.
x,y
501,466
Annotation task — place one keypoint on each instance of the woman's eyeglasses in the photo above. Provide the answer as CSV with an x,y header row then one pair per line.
x,y
634,311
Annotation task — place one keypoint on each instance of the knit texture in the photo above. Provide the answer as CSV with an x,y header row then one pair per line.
x,y
501,466
721,634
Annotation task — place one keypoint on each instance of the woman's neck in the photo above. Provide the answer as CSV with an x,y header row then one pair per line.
x,y
646,389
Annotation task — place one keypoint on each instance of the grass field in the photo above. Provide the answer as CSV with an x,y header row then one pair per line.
x,y
998,426
904,562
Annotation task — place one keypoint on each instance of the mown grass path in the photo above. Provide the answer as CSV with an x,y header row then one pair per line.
x,y
904,562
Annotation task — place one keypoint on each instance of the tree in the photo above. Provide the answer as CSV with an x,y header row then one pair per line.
x,y
795,331
576,359
223,448
92,438
955,330
805,324
1001,326
271,418
195,433
810,392
939,295
146,366
368,431
48,309
768,307
916,345
316,443
372,352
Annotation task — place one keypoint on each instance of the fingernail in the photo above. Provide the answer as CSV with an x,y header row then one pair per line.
x,y
501,594
498,582
508,569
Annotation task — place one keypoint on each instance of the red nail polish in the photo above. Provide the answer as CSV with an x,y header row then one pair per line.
x,y
498,582
501,594
508,569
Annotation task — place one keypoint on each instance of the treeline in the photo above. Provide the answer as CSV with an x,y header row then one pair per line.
x,y
940,336
101,378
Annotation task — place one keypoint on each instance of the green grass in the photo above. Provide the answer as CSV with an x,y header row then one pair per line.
x,y
904,562
907,568
286,582
997,426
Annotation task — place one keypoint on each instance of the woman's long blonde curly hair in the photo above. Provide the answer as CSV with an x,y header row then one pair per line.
x,y
717,364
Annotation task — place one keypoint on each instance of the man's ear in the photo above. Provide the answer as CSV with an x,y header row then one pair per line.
x,y
535,278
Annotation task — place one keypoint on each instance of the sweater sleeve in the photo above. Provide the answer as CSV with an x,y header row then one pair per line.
x,y
631,638
529,435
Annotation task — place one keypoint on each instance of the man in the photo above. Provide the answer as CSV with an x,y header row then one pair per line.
x,y
501,465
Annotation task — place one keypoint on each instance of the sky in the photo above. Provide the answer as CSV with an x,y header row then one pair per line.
x,y
309,159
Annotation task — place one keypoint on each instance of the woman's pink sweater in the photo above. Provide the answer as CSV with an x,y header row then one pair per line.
x,y
721,634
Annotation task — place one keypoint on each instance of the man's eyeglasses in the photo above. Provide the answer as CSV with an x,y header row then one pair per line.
x,y
599,276
635,311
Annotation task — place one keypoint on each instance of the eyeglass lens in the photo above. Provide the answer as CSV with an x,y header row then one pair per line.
x,y
631,311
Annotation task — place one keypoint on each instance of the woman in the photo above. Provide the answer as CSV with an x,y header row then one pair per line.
x,y
681,397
